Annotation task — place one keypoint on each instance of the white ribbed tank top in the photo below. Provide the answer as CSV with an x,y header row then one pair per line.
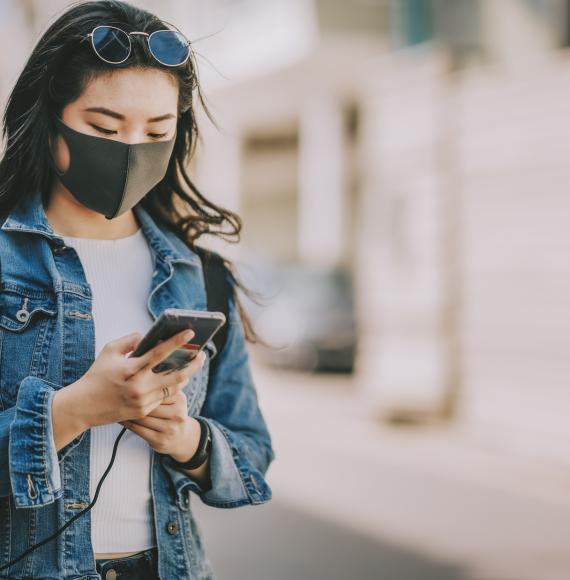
x,y
119,272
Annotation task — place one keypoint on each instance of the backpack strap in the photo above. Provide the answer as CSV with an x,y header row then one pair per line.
x,y
218,293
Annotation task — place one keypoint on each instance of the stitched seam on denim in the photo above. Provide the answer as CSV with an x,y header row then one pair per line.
x,y
39,347
1,347
228,504
63,323
24,291
65,534
241,452
48,330
10,527
29,567
188,545
44,454
254,482
227,436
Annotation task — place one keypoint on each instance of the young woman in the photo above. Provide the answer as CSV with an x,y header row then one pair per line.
x,y
99,225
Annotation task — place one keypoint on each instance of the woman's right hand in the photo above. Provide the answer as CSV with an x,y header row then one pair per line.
x,y
117,388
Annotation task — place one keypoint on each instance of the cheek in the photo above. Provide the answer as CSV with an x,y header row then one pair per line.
x,y
61,153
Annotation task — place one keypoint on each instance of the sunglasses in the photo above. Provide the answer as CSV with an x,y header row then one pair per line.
x,y
113,45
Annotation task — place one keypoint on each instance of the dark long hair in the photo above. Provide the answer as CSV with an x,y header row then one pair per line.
x,y
56,73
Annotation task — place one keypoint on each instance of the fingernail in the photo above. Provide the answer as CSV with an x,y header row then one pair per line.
x,y
188,334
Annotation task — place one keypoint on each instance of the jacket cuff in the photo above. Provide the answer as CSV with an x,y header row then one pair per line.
x,y
34,467
234,480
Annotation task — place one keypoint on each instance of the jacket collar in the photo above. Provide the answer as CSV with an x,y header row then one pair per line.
x,y
28,215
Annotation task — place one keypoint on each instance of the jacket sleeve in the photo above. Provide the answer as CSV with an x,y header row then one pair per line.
x,y
29,461
241,444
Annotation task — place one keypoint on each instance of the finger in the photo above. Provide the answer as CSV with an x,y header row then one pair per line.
x,y
175,384
160,351
175,380
175,391
153,392
152,423
168,401
193,365
167,347
147,434
163,411
188,368
127,343
167,410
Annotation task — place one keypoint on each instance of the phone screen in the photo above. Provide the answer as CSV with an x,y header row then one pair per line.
x,y
205,324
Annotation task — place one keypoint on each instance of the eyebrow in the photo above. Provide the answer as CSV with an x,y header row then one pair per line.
x,y
116,115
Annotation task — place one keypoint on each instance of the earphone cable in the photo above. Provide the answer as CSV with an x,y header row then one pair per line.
x,y
77,515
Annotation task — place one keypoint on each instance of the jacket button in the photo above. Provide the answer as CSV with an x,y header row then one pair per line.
x,y
172,528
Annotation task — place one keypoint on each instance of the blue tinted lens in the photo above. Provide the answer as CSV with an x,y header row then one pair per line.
x,y
111,43
169,47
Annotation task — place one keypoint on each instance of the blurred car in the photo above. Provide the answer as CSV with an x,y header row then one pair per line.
x,y
307,316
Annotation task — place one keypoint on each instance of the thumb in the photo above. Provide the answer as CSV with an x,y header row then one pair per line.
x,y
127,343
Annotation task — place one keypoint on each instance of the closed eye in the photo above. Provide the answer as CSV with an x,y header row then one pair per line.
x,y
109,132
101,130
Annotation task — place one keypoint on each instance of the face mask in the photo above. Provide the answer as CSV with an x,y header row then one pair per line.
x,y
109,176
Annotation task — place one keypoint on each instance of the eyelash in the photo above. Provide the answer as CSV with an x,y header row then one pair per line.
x,y
108,132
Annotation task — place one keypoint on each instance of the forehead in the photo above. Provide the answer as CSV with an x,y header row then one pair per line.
x,y
133,92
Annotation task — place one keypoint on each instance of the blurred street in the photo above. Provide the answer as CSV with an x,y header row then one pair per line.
x,y
304,547
354,499
400,170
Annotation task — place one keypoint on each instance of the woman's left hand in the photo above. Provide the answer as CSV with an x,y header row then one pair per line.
x,y
169,429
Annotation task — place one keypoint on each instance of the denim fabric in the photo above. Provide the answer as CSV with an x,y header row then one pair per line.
x,y
51,345
140,566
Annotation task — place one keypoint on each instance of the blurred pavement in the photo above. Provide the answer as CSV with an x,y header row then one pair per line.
x,y
278,542
355,499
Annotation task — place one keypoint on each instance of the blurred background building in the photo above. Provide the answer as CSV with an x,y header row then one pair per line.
x,y
421,145
407,160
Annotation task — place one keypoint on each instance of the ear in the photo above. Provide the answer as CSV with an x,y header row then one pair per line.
x,y
60,156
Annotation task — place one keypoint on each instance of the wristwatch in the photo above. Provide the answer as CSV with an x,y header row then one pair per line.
x,y
204,445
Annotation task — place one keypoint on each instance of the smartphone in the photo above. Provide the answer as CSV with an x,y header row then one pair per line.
x,y
204,323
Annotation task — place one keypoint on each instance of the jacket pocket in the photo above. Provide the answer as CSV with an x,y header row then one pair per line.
x,y
26,326
20,308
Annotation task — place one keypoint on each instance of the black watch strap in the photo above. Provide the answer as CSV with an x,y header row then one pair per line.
x,y
203,450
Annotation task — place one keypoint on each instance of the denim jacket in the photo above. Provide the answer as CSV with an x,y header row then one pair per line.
x,y
47,342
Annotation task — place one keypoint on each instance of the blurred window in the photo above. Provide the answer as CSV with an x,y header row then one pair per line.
x,y
416,21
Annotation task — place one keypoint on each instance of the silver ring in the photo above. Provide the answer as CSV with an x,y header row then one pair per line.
x,y
166,392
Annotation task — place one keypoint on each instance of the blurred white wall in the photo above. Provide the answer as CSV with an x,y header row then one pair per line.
x,y
468,303
446,199
458,223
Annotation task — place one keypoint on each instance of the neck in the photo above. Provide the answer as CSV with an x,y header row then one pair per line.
x,y
68,217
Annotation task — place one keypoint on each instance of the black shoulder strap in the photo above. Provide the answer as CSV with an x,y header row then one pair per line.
x,y
218,292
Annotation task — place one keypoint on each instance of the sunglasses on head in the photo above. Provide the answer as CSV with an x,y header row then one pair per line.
x,y
113,45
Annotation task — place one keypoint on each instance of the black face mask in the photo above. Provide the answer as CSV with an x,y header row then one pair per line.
x,y
109,176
